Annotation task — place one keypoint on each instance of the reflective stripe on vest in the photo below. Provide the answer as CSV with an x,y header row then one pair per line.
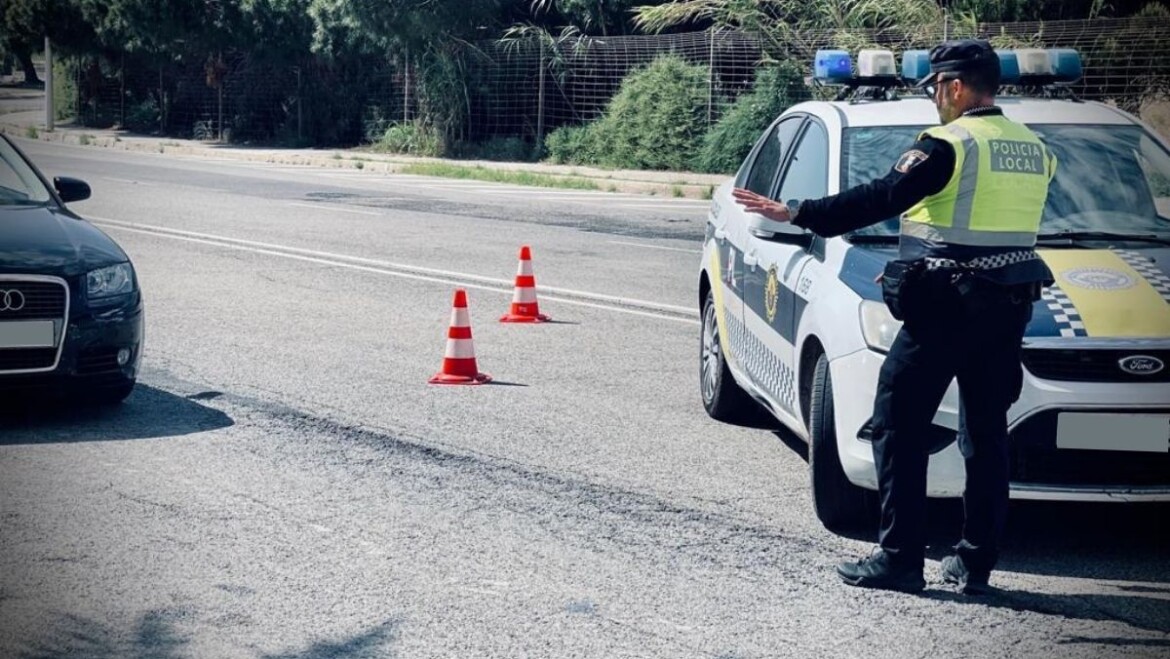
x,y
997,193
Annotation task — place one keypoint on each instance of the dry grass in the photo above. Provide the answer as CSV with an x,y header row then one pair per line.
x,y
1157,114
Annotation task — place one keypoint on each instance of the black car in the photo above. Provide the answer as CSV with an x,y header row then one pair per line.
x,y
71,313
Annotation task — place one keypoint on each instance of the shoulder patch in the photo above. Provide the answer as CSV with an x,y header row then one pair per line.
x,y
910,160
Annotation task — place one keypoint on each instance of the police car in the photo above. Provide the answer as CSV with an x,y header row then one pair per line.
x,y
796,324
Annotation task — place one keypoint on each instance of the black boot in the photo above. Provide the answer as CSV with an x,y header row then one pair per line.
x,y
882,571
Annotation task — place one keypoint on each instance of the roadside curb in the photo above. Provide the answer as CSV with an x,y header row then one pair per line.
x,y
650,183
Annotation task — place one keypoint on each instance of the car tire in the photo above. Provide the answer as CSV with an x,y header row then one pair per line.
x,y
839,504
723,399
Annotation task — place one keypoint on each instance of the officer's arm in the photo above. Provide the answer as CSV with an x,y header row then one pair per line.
x,y
922,171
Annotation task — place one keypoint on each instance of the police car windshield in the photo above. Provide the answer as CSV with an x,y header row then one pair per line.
x,y
1111,178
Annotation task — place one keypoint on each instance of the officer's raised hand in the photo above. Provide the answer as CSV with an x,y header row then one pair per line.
x,y
758,203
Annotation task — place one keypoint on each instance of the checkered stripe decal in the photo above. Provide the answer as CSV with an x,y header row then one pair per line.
x,y
1067,318
992,262
766,369
1146,267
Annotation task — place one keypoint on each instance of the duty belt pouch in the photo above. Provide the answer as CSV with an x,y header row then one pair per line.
x,y
898,283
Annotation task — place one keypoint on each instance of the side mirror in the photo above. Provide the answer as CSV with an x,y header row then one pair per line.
x,y
71,189
779,232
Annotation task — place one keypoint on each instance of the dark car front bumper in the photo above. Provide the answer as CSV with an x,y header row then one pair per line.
x,y
89,358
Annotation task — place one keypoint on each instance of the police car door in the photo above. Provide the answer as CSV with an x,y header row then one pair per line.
x,y
758,174
772,302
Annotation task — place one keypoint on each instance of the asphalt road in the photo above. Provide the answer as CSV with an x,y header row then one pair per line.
x,y
283,483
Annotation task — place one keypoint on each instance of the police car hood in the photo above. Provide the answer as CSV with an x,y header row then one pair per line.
x,y
1099,293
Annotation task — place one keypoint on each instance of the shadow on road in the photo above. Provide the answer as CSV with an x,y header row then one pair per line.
x,y
1114,541
1146,613
148,413
155,636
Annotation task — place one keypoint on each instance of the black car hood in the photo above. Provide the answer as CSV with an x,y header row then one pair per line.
x,y
49,241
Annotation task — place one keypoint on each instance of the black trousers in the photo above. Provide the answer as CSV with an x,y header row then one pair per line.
x,y
976,337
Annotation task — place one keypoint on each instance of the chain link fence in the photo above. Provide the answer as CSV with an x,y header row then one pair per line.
x,y
524,89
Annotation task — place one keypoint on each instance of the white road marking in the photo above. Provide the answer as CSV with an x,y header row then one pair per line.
x,y
669,249
461,279
330,207
126,180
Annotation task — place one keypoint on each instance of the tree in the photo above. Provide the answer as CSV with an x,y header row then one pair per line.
x,y
24,24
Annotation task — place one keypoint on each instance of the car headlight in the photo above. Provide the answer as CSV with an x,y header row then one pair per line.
x,y
877,325
107,282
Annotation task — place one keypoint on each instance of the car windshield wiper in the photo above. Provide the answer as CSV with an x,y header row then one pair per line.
x,y
872,239
1073,236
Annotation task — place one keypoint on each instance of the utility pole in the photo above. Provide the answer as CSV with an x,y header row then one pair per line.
x,y
48,85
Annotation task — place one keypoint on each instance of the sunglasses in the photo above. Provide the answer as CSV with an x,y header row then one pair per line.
x,y
931,88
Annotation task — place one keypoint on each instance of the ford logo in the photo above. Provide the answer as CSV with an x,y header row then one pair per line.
x,y
1141,365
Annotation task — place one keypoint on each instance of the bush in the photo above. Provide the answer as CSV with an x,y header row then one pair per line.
x,y
412,138
656,121
728,142
142,116
571,145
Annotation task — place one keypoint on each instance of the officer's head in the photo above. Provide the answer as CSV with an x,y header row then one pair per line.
x,y
964,74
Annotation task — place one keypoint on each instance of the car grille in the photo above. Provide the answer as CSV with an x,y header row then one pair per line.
x,y
42,300
1090,365
1036,460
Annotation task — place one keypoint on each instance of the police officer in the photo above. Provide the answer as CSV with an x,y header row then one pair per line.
x,y
971,193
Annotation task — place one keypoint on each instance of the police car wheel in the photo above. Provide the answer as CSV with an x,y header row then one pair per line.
x,y
722,397
839,504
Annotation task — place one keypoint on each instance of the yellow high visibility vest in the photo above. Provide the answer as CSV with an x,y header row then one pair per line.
x,y
996,195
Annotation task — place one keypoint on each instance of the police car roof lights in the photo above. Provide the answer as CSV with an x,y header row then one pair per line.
x,y
874,63
876,77
833,67
915,65
1066,65
1033,62
1009,67
1025,67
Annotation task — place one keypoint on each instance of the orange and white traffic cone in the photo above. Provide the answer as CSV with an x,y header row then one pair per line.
x,y
459,365
525,308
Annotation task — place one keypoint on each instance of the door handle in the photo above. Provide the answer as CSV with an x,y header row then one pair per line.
x,y
751,260
720,234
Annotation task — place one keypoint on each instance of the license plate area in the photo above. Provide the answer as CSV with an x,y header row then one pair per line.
x,y
1145,433
28,334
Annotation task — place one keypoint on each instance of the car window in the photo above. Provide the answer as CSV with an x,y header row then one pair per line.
x,y
763,170
807,177
18,184
1155,166
1113,178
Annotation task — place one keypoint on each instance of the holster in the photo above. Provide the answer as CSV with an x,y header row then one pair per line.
x,y
898,286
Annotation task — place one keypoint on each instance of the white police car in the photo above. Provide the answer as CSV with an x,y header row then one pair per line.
x,y
797,323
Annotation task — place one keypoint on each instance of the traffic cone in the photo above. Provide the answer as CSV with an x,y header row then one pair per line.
x,y
525,308
459,365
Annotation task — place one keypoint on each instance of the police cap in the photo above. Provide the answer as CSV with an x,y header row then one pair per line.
x,y
960,55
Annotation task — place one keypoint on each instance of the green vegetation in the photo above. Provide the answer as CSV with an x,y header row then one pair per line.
x,y
656,121
728,142
498,176
404,76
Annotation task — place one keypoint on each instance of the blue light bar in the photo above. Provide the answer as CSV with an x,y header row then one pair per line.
x,y
1066,64
915,65
833,66
1009,67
